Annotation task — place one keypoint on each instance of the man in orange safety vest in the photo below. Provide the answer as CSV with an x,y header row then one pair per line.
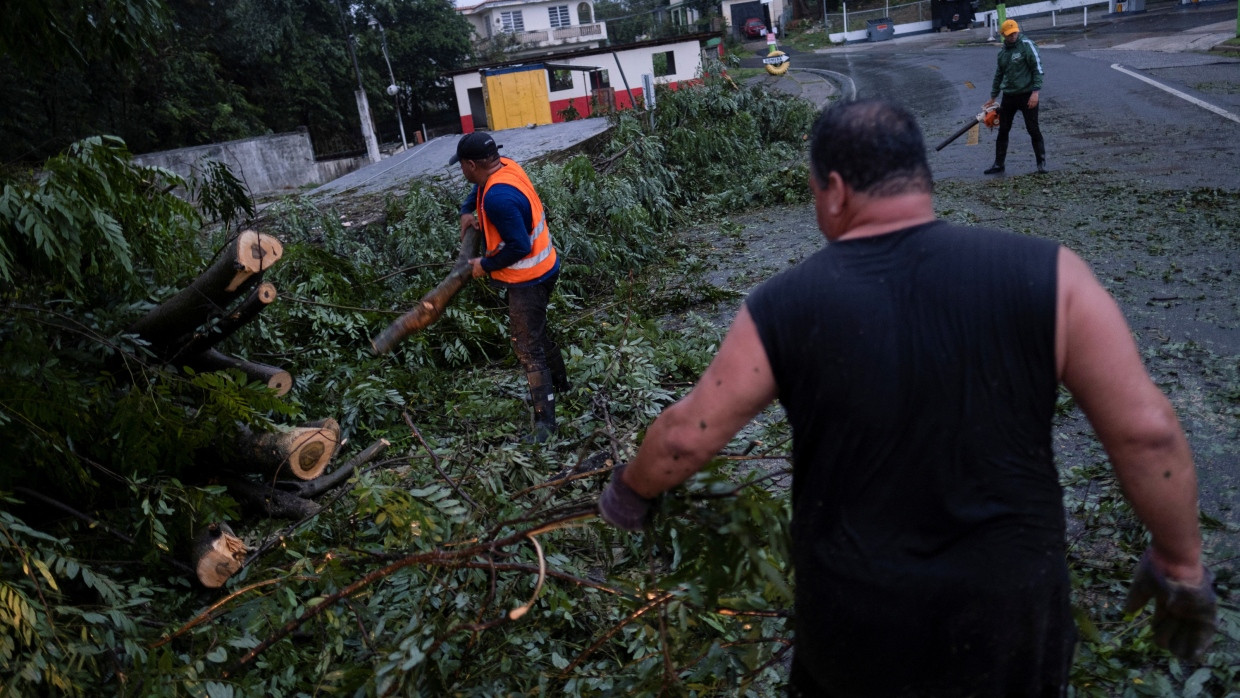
x,y
520,259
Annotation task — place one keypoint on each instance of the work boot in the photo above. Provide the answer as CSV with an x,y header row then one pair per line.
x,y
1042,167
542,397
559,374
996,168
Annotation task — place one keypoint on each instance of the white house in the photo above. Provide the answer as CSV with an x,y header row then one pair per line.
x,y
570,84
535,25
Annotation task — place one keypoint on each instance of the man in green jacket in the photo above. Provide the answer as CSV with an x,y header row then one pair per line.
x,y
1019,77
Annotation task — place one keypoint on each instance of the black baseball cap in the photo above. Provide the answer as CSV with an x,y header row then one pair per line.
x,y
475,146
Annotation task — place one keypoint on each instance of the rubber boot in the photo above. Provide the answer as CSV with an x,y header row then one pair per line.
x,y
542,397
1000,156
559,374
1039,151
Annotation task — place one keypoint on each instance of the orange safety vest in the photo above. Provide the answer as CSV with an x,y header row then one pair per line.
x,y
542,256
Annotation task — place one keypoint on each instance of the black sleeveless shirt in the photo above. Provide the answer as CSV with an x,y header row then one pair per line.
x,y
917,370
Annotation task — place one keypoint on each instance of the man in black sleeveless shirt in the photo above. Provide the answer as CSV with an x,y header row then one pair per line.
x,y
918,364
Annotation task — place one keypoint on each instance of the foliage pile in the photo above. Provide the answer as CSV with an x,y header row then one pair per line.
x,y
452,566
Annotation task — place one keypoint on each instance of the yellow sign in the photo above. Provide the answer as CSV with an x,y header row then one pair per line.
x,y
776,62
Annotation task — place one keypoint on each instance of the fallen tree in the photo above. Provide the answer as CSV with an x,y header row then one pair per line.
x,y
218,554
433,303
302,452
273,377
205,338
169,326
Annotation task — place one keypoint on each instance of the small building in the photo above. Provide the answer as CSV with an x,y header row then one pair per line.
x,y
572,84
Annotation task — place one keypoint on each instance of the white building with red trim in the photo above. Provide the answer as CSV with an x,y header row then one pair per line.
x,y
572,84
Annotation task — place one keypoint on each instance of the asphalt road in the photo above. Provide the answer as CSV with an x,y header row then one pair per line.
x,y
1099,108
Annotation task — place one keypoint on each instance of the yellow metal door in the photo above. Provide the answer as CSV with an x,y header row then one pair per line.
x,y
518,98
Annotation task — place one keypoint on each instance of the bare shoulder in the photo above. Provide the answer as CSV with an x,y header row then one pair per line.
x,y
1094,347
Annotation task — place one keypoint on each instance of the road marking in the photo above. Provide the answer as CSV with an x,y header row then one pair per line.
x,y
1171,90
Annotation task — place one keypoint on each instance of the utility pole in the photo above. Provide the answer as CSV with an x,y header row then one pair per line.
x,y
363,105
393,90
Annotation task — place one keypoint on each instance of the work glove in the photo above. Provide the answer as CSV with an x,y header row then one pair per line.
x,y
620,506
1184,614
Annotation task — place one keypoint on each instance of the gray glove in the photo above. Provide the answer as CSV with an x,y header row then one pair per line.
x,y
620,506
1184,615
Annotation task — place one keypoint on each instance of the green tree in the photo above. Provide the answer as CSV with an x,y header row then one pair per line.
x,y
63,68
162,74
425,39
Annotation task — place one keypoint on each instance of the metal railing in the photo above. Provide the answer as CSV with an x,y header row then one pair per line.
x,y
848,21
577,31
537,37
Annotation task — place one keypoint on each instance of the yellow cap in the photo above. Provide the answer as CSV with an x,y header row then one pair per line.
x,y
1009,27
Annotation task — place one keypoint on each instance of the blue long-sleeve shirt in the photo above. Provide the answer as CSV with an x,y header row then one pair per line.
x,y
510,213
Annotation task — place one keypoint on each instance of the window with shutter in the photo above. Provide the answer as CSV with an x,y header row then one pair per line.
x,y
512,21
559,16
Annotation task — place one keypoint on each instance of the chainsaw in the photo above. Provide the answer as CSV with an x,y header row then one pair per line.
x,y
988,116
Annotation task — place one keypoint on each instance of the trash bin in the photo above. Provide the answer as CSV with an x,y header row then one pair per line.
x,y
879,29
953,14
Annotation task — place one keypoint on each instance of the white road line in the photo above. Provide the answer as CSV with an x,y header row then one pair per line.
x,y
1171,90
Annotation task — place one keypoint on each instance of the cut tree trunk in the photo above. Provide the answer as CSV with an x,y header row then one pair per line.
x,y
218,555
205,338
323,483
277,379
302,452
167,326
269,501
432,304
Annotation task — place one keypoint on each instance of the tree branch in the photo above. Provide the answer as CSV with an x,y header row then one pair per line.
x,y
313,488
96,522
434,557
653,603
435,460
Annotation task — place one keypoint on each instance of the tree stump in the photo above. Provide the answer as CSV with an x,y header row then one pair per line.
x,y
302,452
218,555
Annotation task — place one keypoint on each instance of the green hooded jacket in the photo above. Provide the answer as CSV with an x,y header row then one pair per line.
x,y
1019,69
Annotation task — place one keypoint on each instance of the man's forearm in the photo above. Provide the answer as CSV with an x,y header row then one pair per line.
x,y
736,386
663,461
1157,475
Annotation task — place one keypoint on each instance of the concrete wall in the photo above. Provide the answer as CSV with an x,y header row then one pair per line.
x,y
331,169
266,164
